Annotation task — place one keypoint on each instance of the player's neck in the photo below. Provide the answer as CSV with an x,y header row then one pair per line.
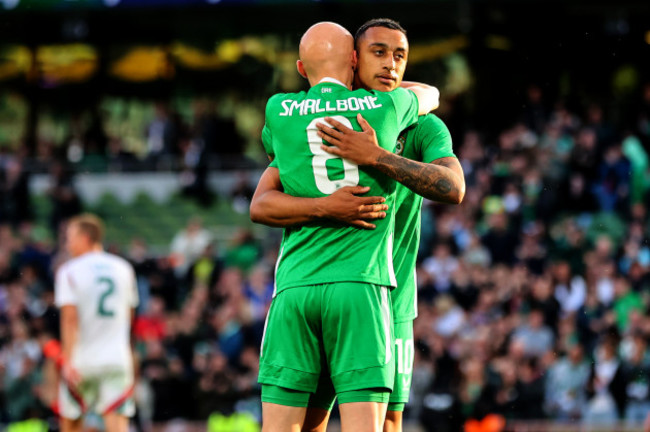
x,y
90,249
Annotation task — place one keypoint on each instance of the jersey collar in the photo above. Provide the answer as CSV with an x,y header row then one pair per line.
x,y
331,80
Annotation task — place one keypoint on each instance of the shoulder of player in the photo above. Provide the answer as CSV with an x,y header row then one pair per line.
x,y
428,125
65,267
384,98
100,258
424,122
429,120
398,92
118,259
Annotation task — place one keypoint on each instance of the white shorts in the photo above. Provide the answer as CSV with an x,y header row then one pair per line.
x,y
110,392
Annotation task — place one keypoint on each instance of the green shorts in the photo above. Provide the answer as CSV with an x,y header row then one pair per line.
x,y
404,365
343,329
324,395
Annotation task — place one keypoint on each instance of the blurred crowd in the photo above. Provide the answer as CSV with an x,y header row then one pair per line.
x,y
189,146
534,293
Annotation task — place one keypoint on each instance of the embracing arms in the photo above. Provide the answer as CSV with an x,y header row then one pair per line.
x,y
441,180
271,206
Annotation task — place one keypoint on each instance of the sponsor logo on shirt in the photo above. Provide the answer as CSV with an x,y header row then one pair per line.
x,y
399,145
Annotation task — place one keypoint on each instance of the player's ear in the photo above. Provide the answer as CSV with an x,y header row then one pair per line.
x,y
354,60
301,68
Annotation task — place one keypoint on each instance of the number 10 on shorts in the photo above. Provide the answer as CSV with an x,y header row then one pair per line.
x,y
404,352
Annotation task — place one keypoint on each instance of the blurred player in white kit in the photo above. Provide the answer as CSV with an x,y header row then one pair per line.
x,y
96,292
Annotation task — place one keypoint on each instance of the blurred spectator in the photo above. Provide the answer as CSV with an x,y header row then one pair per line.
x,y
449,316
565,384
118,158
244,250
596,120
634,152
476,253
500,240
151,324
606,386
531,390
162,137
215,391
612,187
441,405
591,321
194,175
232,314
531,251
628,304
537,338
637,376
18,362
219,136
534,114
188,244
63,196
206,270
570,290
575,195
584,157
15,201
258,290
440,266
541,298
473,387
242,193
164,375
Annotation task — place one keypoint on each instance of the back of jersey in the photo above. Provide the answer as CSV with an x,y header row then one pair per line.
x,y
102,286
327,252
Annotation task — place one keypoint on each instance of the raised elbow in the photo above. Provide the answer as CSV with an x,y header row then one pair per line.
x,y
458,198
255,212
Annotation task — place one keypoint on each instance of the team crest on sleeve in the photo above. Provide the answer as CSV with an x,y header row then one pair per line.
x,y
399,145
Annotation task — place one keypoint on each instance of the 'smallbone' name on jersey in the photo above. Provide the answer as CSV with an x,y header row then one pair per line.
x,y
313,106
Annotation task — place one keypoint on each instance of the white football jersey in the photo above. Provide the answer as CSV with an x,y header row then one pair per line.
x,y
103,288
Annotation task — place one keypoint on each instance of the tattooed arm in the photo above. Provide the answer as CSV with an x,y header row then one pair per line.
x,y
442,180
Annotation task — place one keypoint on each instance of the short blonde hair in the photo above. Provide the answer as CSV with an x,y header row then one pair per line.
x,y
90,225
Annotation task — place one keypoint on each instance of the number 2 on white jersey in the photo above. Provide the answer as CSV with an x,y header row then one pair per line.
x,y
350,169
108,289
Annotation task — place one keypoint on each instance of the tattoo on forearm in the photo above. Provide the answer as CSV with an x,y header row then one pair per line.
x,y
444,186
433,181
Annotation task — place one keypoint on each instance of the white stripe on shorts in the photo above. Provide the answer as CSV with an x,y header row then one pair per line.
x,y
275,274
385,307
266,322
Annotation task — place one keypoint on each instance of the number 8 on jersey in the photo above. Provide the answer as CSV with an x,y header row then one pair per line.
x,y
350,169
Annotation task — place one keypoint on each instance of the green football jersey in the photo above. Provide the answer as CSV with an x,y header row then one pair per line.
x,y
326,252
427,140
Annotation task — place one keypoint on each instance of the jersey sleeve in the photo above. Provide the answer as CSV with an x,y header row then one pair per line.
x,y
267,139
434,138
267,142
406,107
64,290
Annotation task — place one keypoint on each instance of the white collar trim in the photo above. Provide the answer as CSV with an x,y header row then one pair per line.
x,y
331,80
